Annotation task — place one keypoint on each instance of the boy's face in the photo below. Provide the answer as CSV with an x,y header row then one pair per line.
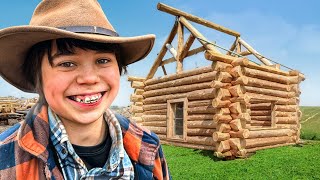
x,y
79,87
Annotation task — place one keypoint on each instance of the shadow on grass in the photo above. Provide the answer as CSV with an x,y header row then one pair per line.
x,y
310,136
208,153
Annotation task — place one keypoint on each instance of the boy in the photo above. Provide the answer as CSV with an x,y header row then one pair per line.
x,y
72,57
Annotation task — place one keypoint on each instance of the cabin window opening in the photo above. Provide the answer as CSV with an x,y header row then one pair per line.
x,y
261,113
177,119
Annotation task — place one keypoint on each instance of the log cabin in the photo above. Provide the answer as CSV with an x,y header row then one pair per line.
x,y
233,107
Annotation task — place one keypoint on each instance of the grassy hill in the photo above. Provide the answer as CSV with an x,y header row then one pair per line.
x,y
290,162
310,123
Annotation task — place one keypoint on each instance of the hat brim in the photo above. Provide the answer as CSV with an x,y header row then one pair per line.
x,y
16,41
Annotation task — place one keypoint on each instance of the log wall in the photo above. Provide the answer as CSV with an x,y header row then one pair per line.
x,y
195,85
273,105
233,107
136,108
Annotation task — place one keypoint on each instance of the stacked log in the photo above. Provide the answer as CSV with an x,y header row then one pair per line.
x,y
280,87
274,106
269,138
228,129
199,121
270,84
136,108
193,85
239,108
221,104
260,113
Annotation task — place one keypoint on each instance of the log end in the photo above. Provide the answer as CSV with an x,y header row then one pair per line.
x,y
246,133
215,136
242,153
159,6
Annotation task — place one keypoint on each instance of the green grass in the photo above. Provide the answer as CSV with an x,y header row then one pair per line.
x,y
290,162
310,123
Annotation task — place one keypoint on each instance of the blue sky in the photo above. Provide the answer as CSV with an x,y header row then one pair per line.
x,y
285,31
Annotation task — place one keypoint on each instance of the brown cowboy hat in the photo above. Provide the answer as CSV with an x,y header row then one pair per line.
x,y
53,19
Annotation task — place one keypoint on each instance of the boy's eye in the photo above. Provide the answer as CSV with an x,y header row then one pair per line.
x,y
103,61
66,64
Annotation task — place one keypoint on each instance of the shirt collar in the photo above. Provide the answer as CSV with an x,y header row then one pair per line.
x,y
60,140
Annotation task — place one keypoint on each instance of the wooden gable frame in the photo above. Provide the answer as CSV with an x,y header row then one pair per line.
x,y
212,53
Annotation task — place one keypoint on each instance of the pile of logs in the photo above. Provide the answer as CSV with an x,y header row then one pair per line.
x,y
12,109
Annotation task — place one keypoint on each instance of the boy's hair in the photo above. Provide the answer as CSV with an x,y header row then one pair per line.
x,y
32,65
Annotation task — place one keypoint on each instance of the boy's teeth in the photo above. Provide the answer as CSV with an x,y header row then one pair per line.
x,y
93,98
88,100
78,99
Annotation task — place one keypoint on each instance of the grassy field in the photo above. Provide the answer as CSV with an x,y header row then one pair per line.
x,y
290,162
310,123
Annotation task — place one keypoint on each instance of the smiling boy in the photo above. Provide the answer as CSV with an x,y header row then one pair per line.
x,y
72,57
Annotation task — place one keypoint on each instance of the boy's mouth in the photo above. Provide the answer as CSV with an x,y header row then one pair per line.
x,y
87,99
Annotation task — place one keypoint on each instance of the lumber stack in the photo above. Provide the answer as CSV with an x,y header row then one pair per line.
x,y
13,110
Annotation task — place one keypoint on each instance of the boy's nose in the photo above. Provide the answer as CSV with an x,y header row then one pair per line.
x,y
88,75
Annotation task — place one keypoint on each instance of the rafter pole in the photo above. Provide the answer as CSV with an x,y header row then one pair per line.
x,y
180,47
238,47
255,53
162,52
177,12
172,50
189,53
198,35
164,70
233,46
245,53
187,46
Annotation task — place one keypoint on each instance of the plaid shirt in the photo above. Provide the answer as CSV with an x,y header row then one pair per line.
x,y
25,152
117,166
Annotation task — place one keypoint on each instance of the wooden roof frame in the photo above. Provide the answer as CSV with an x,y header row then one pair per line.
x,y
212,53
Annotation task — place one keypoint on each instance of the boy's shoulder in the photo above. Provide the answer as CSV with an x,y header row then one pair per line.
x,y
8,146
144,149
9,134
130,128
